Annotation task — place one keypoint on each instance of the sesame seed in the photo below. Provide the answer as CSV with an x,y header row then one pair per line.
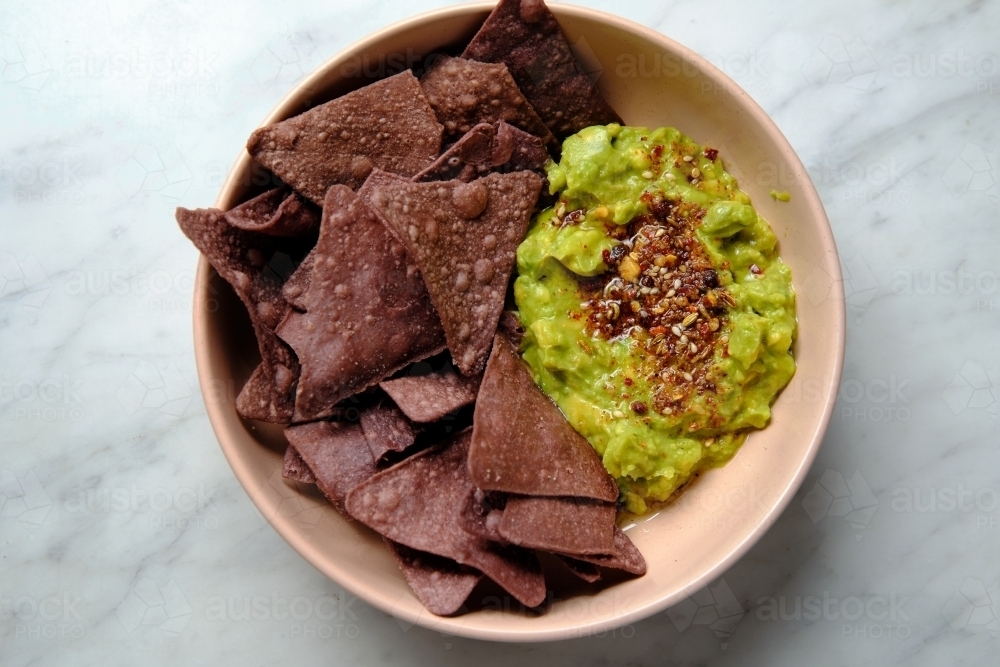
x,y
694,348
644,290
647,174
670,177
618,414
684,339
677,284
688,158
723,339
688,377
676,330
671,293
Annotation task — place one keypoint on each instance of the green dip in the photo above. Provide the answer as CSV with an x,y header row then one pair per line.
x,y
658,315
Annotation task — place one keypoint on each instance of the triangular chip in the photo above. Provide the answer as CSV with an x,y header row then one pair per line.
x,y
367,311
295,468
522,443
482,512
418,502
469,158
441,584
428,398
524,35
510,326
387,124
295,288
626,557
465,93
336,453
240,258
487,148
387,430
463,236
277,212
573,526
582,569
516,150
367,190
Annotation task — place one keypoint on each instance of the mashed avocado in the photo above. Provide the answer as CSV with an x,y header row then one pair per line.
x,y
658,314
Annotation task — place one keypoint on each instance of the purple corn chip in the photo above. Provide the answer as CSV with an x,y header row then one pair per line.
x,y
336,453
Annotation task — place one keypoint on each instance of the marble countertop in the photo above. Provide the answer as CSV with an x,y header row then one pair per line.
x,y
124,535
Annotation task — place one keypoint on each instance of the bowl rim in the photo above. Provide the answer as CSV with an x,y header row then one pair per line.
x,y
229,444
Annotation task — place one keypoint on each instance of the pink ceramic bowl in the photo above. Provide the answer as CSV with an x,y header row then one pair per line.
x,y
653,81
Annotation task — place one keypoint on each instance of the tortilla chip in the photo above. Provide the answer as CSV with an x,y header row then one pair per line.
x,y
295,288
277,212
417,503
484,149
387,430
463,237
481,514
524,35
510,326
255,398
586,571
367,311
572,526
240,258
387,124
626,556
428,398
336,453
295,468
465,93
522,443
367,189
515,150
441,584
468,159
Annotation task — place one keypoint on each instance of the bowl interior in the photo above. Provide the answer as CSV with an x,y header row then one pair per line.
x,y
652,81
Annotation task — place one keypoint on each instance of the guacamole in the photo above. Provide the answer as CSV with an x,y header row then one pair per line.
x,y
658,314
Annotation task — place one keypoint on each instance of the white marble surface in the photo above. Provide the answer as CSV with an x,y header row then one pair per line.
x,y
122,528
